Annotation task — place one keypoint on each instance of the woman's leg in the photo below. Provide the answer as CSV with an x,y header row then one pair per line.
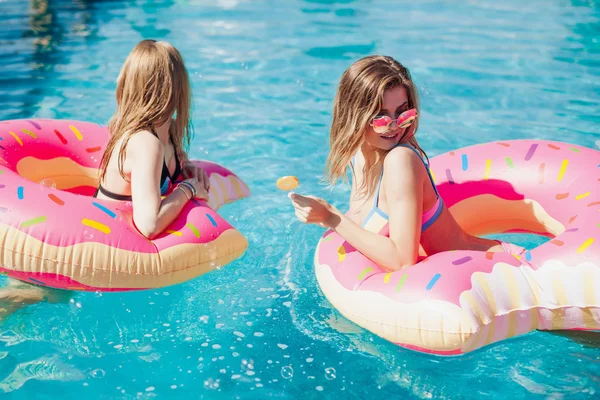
x,y
17,294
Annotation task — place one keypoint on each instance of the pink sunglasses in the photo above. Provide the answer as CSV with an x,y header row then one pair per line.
x,y
404,120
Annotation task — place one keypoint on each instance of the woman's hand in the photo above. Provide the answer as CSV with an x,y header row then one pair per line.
x,y
191,171
313,210
200,186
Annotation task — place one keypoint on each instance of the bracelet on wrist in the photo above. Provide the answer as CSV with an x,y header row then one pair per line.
x,y
184,192
189,186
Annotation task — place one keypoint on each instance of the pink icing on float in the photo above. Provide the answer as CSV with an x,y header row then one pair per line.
x,y
52,232
458,301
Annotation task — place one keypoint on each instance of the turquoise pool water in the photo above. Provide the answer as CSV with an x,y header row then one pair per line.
x,y
264,74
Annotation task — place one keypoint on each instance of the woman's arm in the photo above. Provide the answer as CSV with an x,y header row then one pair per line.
x,y
404,195
151,214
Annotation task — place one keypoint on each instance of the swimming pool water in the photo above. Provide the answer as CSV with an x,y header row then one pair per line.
x,y
264,73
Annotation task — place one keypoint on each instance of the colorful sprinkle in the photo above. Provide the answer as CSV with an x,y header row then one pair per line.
x,y
553,147
35,124
28,132
1,171
20,192
582,196
557,242
194,230
461,261
433,281
594,203
76,132
509,162
572,230
401,282
465,162
211,219
488,165
110,213
563,169
451,153
327,239
449,176
504,144
36,281
93,149
60,136
18,139
96,225
575,150
341,253
55,199
2,186
172,232
572,219
364,273
489,255
562,196
386,277
531,152
541,173
33,221
585,245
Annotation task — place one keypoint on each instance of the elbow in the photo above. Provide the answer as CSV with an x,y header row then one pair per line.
x,y
399,264
148,228
395,267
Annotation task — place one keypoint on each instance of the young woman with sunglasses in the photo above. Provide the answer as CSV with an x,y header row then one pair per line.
x,y
396,213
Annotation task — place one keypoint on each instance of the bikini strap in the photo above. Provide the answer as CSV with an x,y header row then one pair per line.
x,y
177,163
153,130
112,195
424,163
165,170
376,203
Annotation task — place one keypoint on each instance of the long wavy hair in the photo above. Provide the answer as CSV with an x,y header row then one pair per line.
x,y
358,99
152,86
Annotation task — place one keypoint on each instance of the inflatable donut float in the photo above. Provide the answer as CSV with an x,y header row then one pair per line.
x,y
458,301
54,233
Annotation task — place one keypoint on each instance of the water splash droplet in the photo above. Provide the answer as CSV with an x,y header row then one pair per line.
x,y
98,373
211,384
287,372
330,374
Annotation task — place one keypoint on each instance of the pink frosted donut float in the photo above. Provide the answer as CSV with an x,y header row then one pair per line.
x,y
458,301
54,233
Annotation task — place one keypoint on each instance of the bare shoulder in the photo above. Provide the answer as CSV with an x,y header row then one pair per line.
x,y
144,145
403,159
143,141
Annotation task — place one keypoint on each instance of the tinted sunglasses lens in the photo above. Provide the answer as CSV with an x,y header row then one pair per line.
x,y
381,124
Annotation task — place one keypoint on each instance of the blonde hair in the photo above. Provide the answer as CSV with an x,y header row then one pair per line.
x,y
153,85
358,99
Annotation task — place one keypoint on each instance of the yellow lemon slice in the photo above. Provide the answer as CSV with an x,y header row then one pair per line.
x,y
287,183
